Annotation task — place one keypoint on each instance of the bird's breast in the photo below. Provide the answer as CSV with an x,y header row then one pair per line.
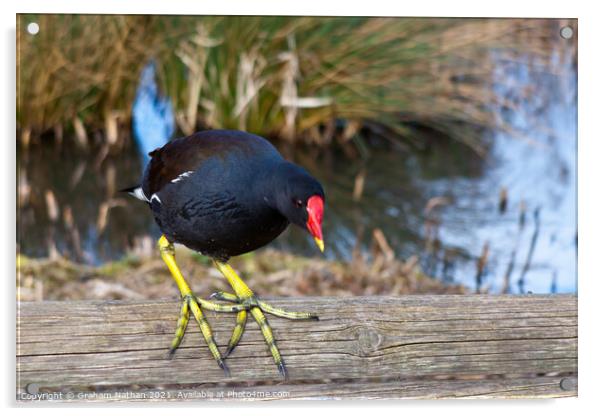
x,y
220,224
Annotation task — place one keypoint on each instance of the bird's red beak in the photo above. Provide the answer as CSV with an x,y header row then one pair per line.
x,y
315,211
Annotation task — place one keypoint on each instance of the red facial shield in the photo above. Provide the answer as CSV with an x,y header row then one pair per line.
x,y
315,211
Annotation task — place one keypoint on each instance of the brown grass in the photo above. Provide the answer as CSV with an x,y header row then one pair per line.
x,y
300,79
268,272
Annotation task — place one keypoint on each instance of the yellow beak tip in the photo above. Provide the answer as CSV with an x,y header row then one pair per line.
x,y
320,244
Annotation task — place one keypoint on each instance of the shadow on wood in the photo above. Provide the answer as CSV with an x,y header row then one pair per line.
x,y
362,347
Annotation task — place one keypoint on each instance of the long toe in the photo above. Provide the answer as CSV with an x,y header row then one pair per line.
x,y
194,307
180,328
268,336
269,309
228,297
239,329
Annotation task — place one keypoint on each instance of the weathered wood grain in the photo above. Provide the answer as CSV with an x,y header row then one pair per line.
x,y
368,347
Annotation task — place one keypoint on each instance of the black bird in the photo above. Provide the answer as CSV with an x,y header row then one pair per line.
x,y
224,193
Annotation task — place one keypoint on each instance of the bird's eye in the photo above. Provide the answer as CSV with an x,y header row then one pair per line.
x,y
298,203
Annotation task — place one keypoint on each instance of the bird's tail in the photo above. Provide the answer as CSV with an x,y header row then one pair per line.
x,y
136,192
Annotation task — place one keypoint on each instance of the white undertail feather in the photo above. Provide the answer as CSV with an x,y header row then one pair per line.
x,y
139,193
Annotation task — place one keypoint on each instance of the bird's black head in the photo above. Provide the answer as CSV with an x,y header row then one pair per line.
x,y
300,198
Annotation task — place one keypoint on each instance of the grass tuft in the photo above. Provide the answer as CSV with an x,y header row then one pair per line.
x,y
310,79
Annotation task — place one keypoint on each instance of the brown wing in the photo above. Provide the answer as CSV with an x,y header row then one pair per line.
x,y
188,153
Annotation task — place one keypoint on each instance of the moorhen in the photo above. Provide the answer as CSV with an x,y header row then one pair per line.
x,y
224,193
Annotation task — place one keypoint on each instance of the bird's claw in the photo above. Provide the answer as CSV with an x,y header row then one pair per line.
x,y
282,370
191,303
252,304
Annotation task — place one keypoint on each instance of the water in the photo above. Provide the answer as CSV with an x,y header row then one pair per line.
x,y
153,120
441,205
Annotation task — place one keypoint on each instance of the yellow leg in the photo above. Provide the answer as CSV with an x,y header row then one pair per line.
x,y
246,297
191,303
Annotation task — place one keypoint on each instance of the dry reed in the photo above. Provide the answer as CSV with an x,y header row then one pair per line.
x,y
308,79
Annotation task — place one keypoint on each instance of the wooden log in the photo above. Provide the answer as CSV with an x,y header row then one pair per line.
x,y
362,347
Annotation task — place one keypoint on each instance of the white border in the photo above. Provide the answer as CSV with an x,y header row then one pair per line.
x,y
457,8
589,171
